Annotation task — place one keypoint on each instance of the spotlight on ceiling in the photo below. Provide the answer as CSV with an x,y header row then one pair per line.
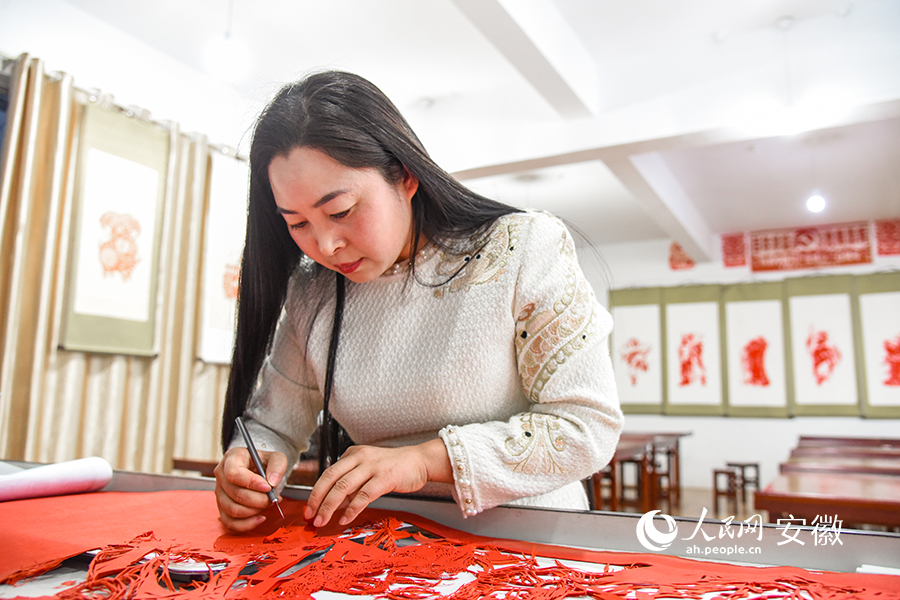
x,y
815,203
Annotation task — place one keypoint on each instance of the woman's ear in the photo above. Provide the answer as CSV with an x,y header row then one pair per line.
x,y
409,185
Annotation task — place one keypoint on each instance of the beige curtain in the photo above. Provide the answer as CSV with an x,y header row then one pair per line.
x,y
55,405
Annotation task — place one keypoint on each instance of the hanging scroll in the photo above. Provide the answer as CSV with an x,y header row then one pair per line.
x,y
693,351
636,349
225,230
823,353
879,308
120,189
757,380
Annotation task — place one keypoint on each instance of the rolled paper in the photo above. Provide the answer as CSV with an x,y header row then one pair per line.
x,y
57,479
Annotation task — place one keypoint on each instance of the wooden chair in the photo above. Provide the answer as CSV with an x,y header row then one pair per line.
x,y
729,491
748,474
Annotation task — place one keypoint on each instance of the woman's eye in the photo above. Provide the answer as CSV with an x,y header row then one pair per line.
x,y
341,214
298,226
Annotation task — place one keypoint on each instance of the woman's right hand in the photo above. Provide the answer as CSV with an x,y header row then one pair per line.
x,y
241,493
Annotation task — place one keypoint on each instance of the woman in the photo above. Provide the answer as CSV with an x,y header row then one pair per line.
x,y
453,337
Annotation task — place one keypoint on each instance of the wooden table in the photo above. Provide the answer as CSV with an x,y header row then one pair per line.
x,y
819,440
665,444
847,451
854,498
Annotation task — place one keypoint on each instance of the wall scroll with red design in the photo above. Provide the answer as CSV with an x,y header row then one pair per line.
x,y
810,247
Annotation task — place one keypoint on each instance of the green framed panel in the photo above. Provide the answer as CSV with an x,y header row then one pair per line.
x,y
757,367
636,349
822,344
878,298
693,329
112,277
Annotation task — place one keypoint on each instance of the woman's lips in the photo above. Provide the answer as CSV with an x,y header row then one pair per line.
x,y
347,268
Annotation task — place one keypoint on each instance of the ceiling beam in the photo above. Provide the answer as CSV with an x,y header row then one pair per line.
x,y
660,194
535,38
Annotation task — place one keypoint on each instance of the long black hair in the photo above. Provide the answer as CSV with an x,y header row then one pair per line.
x,y
349,119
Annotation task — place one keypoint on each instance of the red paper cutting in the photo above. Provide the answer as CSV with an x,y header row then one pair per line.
x,y
825,355
384,554
892,360
678,258
753,361
734,250
634,353
690,357
887,236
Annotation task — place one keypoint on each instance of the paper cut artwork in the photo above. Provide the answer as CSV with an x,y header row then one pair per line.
x,y
231,281
634,353
734,250
753,360
892,360
637,354
119,253
678,258
383,554
694,356
755,341
824,354
690,357
880,319
113,271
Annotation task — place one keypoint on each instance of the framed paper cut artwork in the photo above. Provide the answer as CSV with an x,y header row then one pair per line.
x,y
823,353
120,187
693,355
879,311
636,348
224,243
755,347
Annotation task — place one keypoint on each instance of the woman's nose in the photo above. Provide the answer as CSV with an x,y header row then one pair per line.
x,y
330,241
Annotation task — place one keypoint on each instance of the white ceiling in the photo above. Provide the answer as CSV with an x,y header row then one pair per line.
x,y
635,120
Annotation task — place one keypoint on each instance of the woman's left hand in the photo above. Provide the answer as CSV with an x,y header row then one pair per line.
x,y
365,473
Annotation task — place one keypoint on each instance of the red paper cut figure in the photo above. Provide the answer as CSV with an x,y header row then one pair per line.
x,y
119,252
231,281
825,356
753,360
690,355
892,360
634,353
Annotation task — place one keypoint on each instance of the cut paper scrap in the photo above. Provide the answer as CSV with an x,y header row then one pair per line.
x,y
384,554
70,477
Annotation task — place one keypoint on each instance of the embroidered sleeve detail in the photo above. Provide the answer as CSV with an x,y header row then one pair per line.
x,y
462,474
538,445
483,265
545,339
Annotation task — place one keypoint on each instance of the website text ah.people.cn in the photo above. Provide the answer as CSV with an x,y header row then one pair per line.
x,y
721,539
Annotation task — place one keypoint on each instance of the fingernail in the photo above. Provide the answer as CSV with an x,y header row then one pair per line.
x,y
343,521
319,521
307,513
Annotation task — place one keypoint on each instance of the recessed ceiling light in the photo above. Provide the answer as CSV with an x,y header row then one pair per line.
x,y
815,203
